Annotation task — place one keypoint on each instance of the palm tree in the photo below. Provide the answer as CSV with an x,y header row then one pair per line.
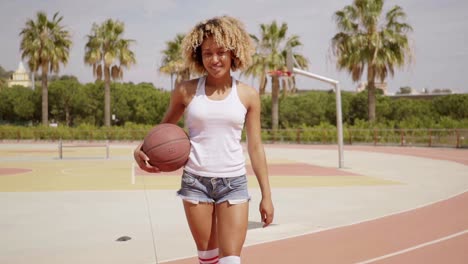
x,y
108,53
173,62
45,44
258,68
368,41
270,58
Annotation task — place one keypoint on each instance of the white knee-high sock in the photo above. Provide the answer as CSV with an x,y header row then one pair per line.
x,y
208,257
230,260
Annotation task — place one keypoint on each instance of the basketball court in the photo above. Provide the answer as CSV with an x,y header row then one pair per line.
x,y
386,205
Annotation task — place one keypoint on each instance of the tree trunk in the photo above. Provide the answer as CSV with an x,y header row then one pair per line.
x,y
371,94
263,83
274,102
178,79
67,115
182,76
45,96
33,77
284,83
186,74
107,102
172,81
292,82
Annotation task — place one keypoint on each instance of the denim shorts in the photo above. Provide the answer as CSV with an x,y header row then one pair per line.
x,y
198,189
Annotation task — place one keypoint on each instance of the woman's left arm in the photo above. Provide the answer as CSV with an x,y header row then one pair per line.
x,y
257,153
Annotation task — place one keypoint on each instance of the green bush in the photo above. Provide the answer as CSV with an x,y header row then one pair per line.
x,y
82,132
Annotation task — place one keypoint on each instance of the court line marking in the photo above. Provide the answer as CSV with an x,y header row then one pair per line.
x,y
439,157
355,223
414,247
365,220
340,226
148,211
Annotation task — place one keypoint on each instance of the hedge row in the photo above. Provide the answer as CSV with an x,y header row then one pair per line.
x,y
89,133
322,134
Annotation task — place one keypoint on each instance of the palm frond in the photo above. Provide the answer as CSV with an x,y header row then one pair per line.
x,y
45,44
106,46
173,62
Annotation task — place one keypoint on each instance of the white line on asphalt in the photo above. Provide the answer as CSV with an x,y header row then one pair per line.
x,y
362,221
414,247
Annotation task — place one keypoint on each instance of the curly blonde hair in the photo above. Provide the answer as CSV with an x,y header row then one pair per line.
x,y
228,33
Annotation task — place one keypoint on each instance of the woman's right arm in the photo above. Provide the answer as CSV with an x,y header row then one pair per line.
x,y
177,104
174,112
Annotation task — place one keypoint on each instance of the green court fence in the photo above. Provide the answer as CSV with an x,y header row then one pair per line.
x,y
457,138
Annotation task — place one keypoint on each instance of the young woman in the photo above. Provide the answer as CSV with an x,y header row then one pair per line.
x,y
217,107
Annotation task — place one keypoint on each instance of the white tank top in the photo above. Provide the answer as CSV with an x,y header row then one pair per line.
x,y
215,128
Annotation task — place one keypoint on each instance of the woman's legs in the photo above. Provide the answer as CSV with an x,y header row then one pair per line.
x,y
201,218
232,221
223,225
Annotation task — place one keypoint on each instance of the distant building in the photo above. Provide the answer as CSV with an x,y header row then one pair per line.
x,y
442,91
20,77
382,86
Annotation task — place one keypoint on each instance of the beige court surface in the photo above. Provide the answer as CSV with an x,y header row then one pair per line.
x,y
72,210
85,168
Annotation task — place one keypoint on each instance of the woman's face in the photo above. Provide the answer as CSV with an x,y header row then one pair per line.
x,y
216,59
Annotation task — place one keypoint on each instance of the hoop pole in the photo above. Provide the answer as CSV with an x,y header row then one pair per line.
x,y
290,62
60,149
107,149
339,119
133,173
339,125
314,76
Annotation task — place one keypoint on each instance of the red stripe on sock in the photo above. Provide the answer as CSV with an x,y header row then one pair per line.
x,y
208,259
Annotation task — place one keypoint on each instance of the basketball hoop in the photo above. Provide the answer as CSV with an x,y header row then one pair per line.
x,y
280,73
290,64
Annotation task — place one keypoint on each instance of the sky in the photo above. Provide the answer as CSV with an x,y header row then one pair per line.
x,y
439,38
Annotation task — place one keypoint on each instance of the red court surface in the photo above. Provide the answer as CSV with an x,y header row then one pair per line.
x,y
435,233
13,171
372,239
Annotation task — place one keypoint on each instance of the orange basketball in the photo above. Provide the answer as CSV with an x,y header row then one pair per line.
x,y
167,147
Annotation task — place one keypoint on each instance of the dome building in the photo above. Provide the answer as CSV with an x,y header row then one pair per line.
x,y
20,77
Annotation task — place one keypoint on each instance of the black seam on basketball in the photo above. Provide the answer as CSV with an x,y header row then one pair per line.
x,y
157,129
162,127
165,143
172,160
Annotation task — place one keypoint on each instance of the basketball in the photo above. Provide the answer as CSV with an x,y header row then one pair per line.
x,y
167,147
